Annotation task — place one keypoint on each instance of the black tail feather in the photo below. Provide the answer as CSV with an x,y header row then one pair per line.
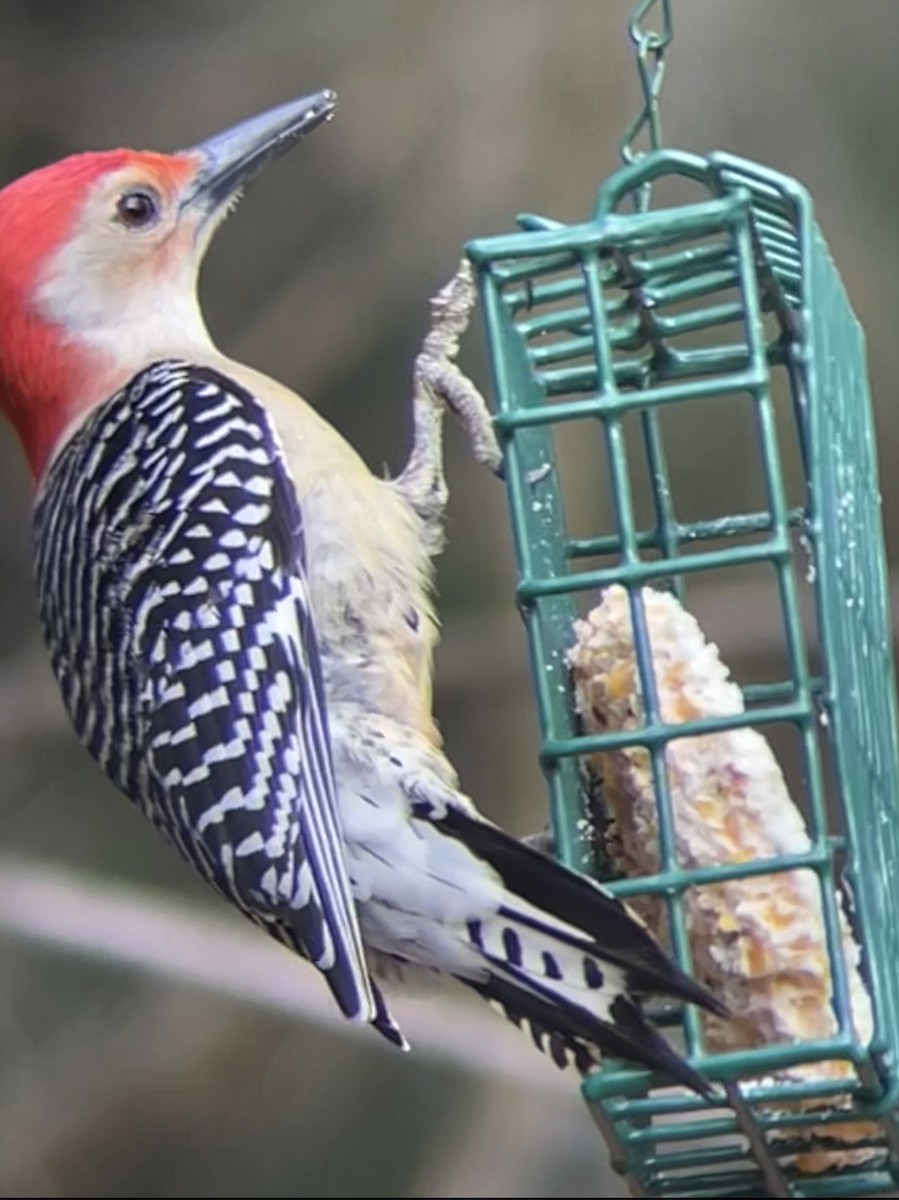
x,y
569,1029
611,931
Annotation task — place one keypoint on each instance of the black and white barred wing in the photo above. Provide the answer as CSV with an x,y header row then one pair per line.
x,y
197,682
236,732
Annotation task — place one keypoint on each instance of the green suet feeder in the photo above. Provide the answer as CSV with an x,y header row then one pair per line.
x,y
620,321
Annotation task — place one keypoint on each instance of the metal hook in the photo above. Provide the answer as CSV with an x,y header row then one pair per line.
x,y
650,46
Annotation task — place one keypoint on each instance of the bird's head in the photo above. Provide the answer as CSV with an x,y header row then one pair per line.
x,y
99,256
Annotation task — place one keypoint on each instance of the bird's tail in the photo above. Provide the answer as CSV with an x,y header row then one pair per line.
x,y
568,960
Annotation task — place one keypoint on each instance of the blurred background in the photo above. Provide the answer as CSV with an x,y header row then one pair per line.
x,y
149,1044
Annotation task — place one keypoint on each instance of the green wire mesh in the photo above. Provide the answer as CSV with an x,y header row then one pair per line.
x,y
622,320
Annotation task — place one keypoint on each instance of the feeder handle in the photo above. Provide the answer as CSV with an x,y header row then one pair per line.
x,y
636,176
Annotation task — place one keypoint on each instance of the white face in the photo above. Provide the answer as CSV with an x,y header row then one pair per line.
x,y
124,282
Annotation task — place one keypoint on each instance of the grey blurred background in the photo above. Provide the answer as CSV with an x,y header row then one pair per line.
x,y
116,1078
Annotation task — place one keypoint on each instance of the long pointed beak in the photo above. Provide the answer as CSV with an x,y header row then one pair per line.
x,y
229,160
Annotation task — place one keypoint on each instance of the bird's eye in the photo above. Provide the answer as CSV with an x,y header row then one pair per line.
x,y
138,208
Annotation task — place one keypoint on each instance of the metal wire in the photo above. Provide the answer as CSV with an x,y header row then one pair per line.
x,y
772,1177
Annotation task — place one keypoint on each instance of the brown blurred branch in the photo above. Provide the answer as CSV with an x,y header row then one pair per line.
x,y
184,942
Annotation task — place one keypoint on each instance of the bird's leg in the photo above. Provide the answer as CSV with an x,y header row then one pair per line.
x,y
440,384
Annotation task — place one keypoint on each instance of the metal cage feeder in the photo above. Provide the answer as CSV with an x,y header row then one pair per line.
x,y
733,298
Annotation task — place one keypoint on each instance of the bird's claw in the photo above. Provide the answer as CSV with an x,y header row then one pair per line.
x,y
439,384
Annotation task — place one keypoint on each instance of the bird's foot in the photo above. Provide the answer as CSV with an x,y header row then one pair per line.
x,y
440,384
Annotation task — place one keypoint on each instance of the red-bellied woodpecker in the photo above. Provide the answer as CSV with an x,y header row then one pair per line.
x,y
238,614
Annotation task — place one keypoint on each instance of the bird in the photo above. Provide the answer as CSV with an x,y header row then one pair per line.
x,y
240,619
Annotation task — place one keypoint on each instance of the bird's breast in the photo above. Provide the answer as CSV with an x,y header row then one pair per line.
x,y
369,573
